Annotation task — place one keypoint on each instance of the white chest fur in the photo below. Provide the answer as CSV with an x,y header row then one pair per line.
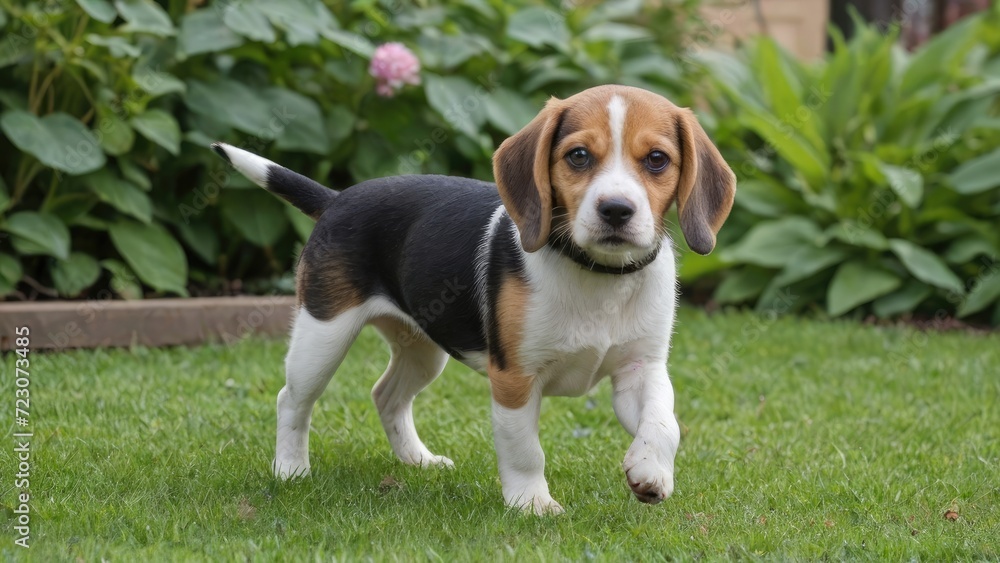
x,y
581,326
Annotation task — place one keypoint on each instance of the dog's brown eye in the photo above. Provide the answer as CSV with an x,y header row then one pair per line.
x,y
656,161
579,157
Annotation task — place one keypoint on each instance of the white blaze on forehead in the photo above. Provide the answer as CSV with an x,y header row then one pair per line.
x,y
616,113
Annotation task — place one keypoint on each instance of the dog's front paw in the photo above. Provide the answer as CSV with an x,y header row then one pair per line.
x,y
539,504
650,479
286,470
436,461
425,459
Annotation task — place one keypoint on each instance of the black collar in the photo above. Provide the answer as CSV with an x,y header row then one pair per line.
x,y
565,246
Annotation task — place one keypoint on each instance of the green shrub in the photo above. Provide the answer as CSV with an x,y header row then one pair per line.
x,y
869,181
108,108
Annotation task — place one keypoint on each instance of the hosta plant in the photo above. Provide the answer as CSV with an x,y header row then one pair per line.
x,y
869,181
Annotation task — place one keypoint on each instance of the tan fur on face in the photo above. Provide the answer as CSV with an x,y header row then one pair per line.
x,y
650,124
697,176
510,385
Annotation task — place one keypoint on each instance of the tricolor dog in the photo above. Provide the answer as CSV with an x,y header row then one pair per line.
x,y
559,275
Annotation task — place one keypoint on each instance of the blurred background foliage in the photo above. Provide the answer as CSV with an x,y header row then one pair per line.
x,y
869,181
108,109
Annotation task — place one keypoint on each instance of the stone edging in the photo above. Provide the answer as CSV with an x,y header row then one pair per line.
x,y
151,322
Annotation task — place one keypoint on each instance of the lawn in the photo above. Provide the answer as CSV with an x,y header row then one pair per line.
x,y
802,440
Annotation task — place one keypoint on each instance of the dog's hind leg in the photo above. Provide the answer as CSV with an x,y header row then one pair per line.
x,y
314,353
416,361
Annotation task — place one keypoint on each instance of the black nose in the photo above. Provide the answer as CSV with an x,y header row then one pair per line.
x,y
615,212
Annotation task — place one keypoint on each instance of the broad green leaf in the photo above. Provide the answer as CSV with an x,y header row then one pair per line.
x,y
124,282
440,50
784,93
731,74
955,112
233,104
4,195
246,19
37,233
538,26
299,119
73,275
841,85
202,31
118,46
369,159
202,237
857,283
938,56
353,42
742,285
72,207
144,16
339,123
977,175
509,111
156,84
458,101
115,135
15,49
985,292
903,300
57,140
906,182
808,261
135,174
614,32
964,249
791,146
303,20
771,243
693,266
256,215
155,256
159,127
767,199
855,234
925,265
100,10
13,100
120,194
10,273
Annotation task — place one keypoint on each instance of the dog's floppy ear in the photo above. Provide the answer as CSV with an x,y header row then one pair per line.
x,y
707,185
521,170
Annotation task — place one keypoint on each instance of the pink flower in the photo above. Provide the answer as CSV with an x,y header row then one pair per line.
x,y
393,66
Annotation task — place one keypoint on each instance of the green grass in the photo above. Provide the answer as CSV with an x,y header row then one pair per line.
x,y
802,440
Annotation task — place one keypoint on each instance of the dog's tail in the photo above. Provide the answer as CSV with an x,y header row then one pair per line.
x,y
311,197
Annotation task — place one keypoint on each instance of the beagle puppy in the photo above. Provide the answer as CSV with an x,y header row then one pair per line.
x,y
559,275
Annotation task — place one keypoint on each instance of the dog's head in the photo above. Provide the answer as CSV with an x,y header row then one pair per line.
x,y
602,168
